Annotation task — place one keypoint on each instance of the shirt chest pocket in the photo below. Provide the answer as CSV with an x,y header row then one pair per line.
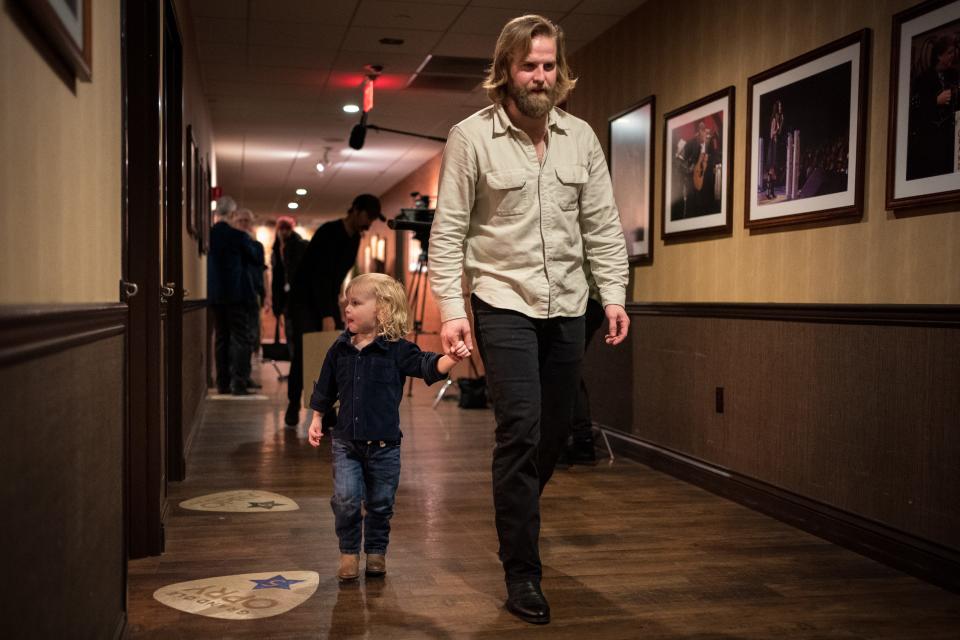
x,y
508,192
570,181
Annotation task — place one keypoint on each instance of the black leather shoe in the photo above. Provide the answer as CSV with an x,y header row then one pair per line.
x,y
253,385
526,601
292,417
239,391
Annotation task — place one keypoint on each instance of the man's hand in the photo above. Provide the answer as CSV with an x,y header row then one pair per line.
x,y
454,334
618,323
329,324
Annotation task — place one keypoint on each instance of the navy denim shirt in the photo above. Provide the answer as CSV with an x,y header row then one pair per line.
x,y
369,384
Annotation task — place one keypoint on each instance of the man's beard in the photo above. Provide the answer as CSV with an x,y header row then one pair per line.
x,y
531,104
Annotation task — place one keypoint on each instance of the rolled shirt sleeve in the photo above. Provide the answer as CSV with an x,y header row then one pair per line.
x,y
455,198
603,240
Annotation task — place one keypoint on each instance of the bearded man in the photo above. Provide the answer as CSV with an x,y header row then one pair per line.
x,y
524,200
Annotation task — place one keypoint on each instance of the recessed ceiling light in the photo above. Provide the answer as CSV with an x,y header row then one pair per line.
x,y
351,108
301,191
292,205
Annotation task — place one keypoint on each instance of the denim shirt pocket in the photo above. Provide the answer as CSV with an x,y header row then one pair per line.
x,y
570,181
508,192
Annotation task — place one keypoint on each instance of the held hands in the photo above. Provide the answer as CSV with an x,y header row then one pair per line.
x,y
455,335
618,323
315,434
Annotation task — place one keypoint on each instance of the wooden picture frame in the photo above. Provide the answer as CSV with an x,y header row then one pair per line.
x,y
204,204
806,139
698,167
631,162
923,137
66,26
190,184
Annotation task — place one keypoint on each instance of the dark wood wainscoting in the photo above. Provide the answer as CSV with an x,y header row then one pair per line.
x,y
194,369
62,475
840,419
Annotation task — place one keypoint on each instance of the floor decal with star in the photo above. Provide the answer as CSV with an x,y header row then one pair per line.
x,y
241,501
247,596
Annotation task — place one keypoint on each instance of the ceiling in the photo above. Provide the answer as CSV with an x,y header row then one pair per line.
x,y
276,74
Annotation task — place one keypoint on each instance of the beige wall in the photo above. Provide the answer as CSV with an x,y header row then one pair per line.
x,y
196,113
60,174
681,51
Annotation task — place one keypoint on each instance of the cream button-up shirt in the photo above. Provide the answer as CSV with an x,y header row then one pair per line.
x,y
518,231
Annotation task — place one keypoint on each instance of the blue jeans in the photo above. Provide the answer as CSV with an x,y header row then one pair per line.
x,y
365,475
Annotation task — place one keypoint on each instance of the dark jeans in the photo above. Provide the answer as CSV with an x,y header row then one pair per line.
x,y
582,426
364,475
532,368
232,346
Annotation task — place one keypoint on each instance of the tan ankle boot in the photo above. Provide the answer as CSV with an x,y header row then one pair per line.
x,y
376,565
349,567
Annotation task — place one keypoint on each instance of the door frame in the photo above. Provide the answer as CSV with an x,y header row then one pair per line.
x,y
141,33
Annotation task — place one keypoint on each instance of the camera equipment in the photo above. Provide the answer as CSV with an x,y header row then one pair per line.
x,y
358,134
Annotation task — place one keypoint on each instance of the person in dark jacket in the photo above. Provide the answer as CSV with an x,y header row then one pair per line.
x,y
365,369
231,294
256,272
314,299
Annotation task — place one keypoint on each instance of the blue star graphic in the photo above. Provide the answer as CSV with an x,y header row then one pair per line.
x,y
276,582
265,505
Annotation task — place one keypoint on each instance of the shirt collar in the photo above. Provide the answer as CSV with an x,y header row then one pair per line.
x,y
556,119
380,342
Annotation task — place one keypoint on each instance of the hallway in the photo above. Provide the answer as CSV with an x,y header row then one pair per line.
x,y
628,552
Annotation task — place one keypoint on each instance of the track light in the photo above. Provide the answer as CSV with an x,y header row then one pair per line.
x,y
325,162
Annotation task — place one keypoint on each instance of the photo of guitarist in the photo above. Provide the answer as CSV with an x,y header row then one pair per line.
x,y
699,163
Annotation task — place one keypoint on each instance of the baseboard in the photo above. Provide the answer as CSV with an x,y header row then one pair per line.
x,y
121,627
921,558
194,427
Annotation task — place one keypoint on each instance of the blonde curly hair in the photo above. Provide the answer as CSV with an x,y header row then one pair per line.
x,y
392,309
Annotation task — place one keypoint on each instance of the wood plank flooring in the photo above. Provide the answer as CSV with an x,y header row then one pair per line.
x,y
628,552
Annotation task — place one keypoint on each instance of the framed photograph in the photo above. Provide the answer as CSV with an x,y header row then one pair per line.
x,y
806,143
203,211
698,167
66,26
631,170
205,203
190,184
923,145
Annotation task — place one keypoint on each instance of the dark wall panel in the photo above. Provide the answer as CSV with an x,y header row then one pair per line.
x,y
61,478
860,417
194,368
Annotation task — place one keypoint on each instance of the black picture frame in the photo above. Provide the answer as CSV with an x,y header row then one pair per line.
x,y
808,168
923,169
67,27
631,158
695,207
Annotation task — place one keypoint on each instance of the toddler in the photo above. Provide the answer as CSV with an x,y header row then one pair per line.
x,y
365,369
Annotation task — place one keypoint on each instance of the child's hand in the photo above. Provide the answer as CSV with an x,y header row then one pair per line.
x,y
315,434
460,351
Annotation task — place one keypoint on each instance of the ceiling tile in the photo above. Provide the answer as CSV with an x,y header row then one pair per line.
x,y
586,27
489,21
296,57
367,39
405,15
295,34
529,6
218,8
469,45
319,11
608,7
221,30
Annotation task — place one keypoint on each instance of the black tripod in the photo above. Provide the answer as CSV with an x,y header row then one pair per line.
x,y
417,297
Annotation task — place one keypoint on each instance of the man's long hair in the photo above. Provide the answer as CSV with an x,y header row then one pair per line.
x,y
514,43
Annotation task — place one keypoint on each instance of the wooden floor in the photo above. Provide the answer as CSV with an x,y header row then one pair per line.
x,y
628,552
